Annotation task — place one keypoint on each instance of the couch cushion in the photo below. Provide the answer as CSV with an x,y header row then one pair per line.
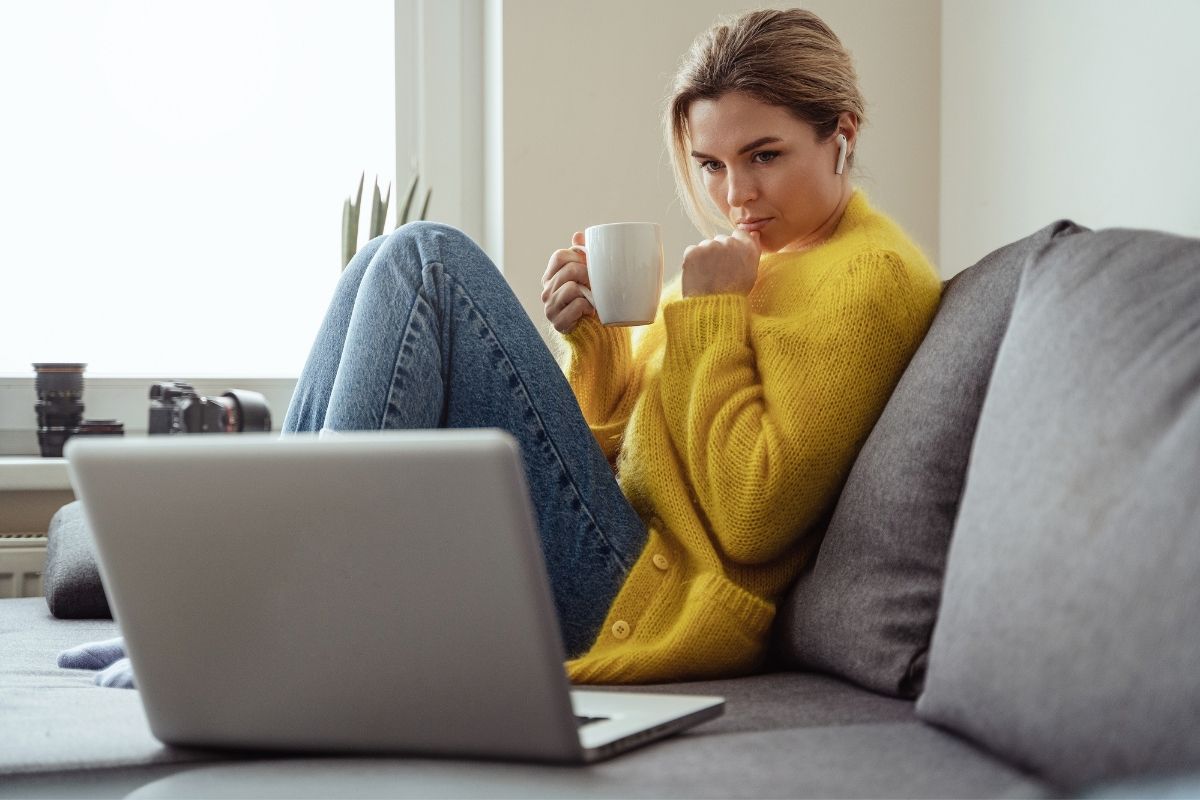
x,y
865,610
783,735
71,578
882,760
1069,631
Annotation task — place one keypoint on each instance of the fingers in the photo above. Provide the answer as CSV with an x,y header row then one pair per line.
x,y
560,258
576,310
748,236
571,272
724,240
567,306
558,300
752,239
693,248
575,253
739,235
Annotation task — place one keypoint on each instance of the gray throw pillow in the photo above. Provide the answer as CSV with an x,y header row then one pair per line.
x,y
865,610
1068,638
71,579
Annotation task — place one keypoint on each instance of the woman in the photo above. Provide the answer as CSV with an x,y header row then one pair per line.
x,y
731,425
679,484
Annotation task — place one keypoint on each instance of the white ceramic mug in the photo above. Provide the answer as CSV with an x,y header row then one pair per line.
x,y
625,268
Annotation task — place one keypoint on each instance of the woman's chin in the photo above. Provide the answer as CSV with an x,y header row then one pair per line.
x,y
768,247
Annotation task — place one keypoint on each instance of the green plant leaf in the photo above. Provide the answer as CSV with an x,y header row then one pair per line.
x,y
350,211
402,217
425,205
379,207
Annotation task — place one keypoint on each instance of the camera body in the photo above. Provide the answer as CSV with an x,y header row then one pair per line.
x,y
175,407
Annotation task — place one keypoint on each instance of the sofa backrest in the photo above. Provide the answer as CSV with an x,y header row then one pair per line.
x,y
865,609
1068,635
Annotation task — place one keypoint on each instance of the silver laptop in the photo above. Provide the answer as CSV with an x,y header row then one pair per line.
x,y
370,592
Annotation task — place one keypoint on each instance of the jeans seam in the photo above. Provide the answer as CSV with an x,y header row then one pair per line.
x,y
408,320
537,415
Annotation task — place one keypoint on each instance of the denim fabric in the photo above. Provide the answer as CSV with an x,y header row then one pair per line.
x,y
424,332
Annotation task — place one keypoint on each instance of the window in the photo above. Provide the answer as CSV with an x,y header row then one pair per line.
x,y
173,177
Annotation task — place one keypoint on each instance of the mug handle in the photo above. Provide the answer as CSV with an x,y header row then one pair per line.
x,y
588,294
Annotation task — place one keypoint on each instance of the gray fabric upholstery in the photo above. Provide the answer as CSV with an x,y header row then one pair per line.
x,y
865,610
783,735
1069,632
71,580
904,761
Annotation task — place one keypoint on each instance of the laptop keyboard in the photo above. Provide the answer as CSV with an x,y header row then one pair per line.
x,y
580,721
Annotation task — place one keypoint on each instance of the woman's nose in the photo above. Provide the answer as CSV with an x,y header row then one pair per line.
x,y
741,189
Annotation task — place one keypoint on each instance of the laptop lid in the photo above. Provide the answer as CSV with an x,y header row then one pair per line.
x,y
378,591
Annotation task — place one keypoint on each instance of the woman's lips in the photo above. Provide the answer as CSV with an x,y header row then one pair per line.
x,y
754,224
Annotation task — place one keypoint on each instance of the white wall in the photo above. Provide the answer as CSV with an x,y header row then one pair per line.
x,y
1084,109
583,86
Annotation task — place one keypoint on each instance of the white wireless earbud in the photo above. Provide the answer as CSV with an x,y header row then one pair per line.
x,y
841,137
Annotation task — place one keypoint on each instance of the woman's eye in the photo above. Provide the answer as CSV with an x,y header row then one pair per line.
x,y
768,155
710,166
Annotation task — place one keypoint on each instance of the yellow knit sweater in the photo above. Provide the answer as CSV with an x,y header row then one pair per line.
x,y
732,425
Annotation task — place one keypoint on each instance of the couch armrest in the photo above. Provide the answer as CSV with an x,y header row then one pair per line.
x,y
71,578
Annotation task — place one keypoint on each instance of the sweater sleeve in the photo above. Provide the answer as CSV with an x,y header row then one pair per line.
x,y
599,367
769,420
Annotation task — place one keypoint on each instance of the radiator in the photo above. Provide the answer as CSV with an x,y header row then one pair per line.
x,y
22,556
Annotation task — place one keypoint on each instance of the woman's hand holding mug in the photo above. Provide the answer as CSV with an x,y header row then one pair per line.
x,y
613,271
722,265
565,285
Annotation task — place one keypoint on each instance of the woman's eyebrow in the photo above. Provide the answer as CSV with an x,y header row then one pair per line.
x,y
745,148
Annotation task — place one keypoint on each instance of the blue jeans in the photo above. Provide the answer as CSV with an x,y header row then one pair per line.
x,y
424,332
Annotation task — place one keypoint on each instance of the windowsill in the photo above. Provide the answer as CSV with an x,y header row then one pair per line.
x,y
123,399
33,474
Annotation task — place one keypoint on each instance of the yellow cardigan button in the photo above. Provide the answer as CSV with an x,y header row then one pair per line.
x,y
620,629
660,561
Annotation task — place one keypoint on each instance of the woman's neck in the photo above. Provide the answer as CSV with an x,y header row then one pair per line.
x,y
827,229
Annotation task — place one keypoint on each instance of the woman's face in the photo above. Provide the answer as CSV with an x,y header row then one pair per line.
x,y
766,170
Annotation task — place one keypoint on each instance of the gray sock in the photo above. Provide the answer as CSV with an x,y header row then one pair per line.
x,y
119,675
93,655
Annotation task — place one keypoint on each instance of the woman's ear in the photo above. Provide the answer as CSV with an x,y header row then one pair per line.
x,y
848,126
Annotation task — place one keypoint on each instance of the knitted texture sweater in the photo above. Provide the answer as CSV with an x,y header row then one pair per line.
x,y
732,424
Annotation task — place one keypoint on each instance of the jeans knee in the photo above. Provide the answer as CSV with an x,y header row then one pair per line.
x,y
360,260
417,244
432,233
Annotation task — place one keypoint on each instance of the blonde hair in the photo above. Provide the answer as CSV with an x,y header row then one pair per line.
x,y
786,58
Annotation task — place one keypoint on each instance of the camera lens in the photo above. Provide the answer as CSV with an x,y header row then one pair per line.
x,y
248,410
59,406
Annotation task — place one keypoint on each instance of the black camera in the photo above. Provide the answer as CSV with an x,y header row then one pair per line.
x,y
175,407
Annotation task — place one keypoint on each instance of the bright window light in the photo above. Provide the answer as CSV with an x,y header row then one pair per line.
x,y
172,178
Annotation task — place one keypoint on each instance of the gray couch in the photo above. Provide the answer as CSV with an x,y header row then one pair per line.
x,y
1006,602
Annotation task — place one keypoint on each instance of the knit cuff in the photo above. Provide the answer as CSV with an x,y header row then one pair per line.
x,y
589,334
694,324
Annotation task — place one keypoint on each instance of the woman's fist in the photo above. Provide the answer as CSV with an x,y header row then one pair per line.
x,y
724,264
